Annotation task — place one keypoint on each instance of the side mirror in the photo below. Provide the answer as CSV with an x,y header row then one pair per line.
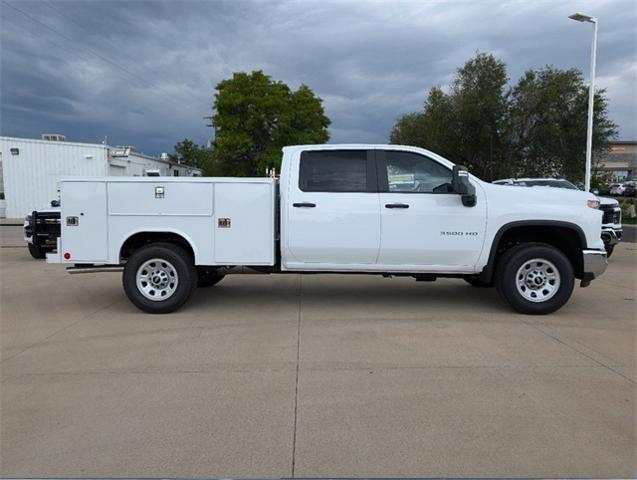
x,y
462,186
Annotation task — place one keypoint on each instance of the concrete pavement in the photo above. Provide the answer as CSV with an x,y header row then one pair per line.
x,y
629,234
11,236
278,376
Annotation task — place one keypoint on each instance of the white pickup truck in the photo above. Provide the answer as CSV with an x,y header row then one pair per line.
x,y
375,209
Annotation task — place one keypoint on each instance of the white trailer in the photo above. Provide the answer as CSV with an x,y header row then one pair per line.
x,y
376,209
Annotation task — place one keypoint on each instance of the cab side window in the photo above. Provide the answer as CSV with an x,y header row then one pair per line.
x,y
334,171
409,172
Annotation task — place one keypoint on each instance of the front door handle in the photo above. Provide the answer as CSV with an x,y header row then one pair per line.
x,y
396,205
304,205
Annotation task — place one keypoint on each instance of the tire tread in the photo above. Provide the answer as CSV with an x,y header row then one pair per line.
x,y
181,260
507,268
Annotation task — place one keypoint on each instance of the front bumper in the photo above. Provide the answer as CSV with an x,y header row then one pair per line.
x,y
595,263
27,231
611,236
42,229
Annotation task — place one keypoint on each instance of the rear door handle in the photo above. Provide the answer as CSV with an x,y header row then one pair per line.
x,y
304,205
396,205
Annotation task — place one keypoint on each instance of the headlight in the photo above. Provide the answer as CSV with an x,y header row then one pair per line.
x,y
592,203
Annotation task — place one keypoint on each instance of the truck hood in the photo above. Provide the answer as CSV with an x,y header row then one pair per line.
x,y
607,201
49,210
509,204
540,194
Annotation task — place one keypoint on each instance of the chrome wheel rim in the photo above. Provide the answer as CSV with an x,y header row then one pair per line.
x,y
157,279
537,280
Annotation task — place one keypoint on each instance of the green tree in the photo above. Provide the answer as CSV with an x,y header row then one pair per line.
x,y
536,128
465,125
478,97
411,129
547,124
189,153
432,128
257,116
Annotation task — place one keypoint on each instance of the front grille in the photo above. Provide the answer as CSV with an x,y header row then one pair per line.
x,y
46,227
610,215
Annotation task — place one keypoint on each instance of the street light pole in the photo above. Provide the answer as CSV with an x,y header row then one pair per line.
x,y
580,17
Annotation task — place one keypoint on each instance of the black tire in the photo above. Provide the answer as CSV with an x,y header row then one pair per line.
x,y
609,250
476,282
207,277
514,259
36,251
181,267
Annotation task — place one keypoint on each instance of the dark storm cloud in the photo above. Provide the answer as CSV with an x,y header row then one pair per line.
x,y
144,72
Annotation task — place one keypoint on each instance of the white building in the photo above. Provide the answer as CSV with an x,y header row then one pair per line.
x,y
30,169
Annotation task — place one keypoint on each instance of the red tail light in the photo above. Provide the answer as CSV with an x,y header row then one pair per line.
x,y
67,256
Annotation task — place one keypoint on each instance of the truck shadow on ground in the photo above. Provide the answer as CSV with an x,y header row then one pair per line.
x,y
347,294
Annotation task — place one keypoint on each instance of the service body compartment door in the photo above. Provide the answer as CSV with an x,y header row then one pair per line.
x,y
159,197
244,223
83,222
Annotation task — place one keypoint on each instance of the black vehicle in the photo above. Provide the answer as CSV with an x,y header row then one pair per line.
x,y
630,189
42,229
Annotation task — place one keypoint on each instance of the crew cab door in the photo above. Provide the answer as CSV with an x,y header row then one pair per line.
x,y
333,212
423,222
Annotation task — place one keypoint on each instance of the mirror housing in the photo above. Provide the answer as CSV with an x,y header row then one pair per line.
x,y
462,186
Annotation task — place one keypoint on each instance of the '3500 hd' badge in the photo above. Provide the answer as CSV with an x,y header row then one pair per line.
x,y
458,234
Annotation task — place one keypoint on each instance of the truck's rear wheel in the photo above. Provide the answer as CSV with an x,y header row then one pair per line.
x,y
159,278
535,278
36,251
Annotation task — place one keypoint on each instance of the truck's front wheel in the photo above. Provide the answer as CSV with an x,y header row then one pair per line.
x,y
535,278
159,278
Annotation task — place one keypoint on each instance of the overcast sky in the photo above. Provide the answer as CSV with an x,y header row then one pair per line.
x,y
143,73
